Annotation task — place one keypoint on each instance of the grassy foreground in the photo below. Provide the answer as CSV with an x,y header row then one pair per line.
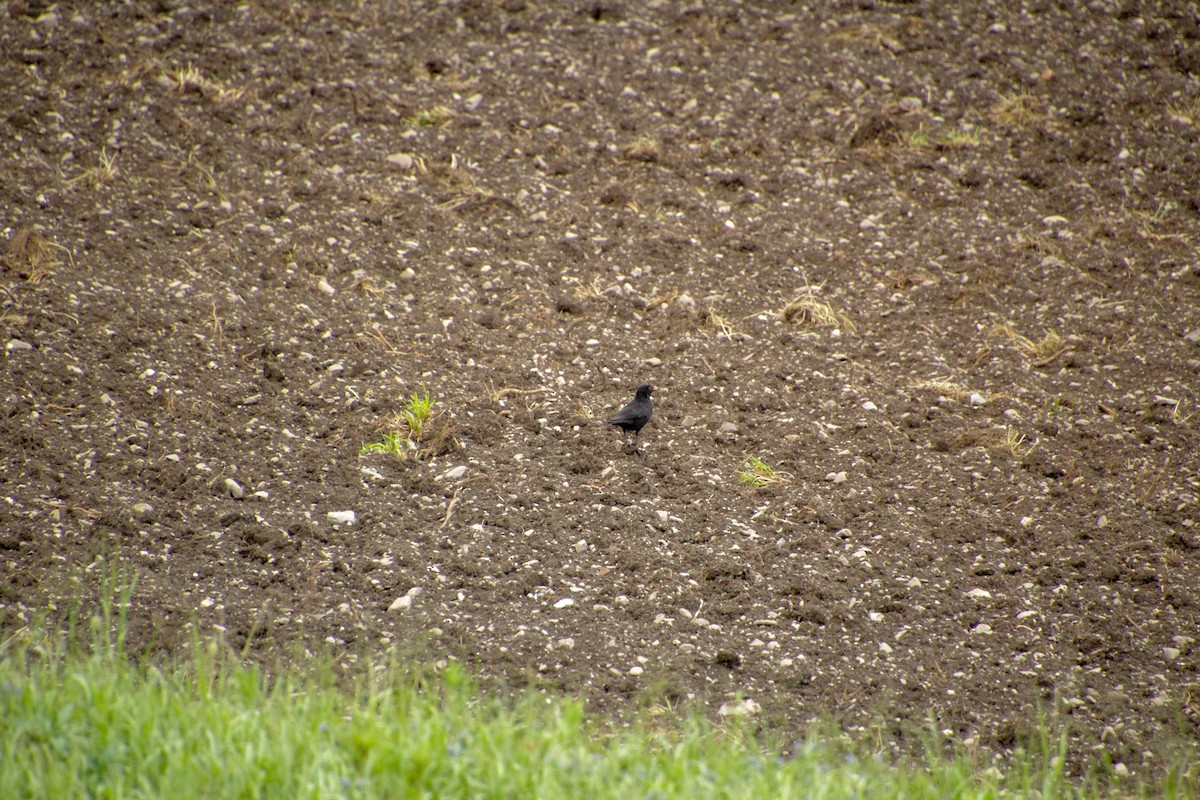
x,y
84,720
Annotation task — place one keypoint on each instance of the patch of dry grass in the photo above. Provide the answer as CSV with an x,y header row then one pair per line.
x,y
868,34
1040,352
724,327
103,173
32,255
1009,442
1018,111
946,388
643,148
1186,111
189,78
807,309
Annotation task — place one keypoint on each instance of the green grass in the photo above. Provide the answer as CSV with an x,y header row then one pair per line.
x,y
417,411
759,474
392,444
80,718
413,418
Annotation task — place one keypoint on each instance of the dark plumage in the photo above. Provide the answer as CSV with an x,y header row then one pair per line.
x,y
634,416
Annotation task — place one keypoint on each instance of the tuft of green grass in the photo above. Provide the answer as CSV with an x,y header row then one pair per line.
x,y
759,474
961,138
918,138
418,409
430,117
393,443
404,432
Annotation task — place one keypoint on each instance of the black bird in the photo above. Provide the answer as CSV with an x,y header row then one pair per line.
x,y
634,416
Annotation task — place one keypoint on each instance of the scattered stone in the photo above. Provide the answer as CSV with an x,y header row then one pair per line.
x,y
869,406
885,648
983,629
837,477
581,546
688,422
976,399
636,669
685,303
326,287
235,489
1193,336
17,344
455,473
341,517
728,427
979,594
740,708
405,603
566,602
1171,653
143,512
401,161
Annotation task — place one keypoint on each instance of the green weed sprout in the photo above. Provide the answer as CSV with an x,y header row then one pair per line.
x,y
759,474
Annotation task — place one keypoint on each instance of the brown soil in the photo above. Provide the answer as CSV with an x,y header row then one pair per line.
x,y
239,235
